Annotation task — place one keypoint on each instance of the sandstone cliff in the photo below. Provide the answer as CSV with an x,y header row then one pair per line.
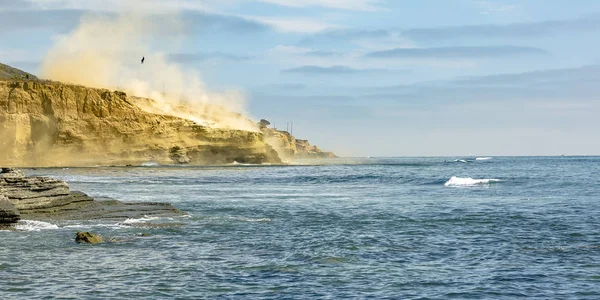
x,y
44,123
290,148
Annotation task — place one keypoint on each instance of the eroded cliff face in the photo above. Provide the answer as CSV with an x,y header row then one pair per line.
x,y
54,124
289,148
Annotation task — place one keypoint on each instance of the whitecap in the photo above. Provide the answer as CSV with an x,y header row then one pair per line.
x,y
460,160
468,181
31,225
235,163
244,219
140,220
149,164
483,158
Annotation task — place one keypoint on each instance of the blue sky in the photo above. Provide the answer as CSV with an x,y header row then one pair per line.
x,y
376,78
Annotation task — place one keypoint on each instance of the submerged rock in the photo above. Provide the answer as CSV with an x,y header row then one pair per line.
x,y
87,237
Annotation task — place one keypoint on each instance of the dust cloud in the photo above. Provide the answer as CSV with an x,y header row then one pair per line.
x,y
105,51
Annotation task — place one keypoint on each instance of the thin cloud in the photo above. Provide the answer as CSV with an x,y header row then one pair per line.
x,y
336,70
520,30
456,52
57,20
361,5
488,7
292,25
196,21
336,35
201,56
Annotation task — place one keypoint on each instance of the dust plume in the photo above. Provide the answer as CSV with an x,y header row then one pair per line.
x,y
105,51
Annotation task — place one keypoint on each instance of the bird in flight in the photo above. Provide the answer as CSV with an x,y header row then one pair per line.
x,y
143,58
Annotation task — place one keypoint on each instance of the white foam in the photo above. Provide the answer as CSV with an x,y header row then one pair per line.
x,y
31,225
140,220
235,163
468,181
460,160
244,219
483,158
149,164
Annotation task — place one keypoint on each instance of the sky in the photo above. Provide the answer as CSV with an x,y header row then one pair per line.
x,y
374,77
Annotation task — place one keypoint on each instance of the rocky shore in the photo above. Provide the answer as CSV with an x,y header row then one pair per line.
x,y
47,199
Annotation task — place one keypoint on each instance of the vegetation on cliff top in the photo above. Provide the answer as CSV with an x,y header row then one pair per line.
x,y
8,72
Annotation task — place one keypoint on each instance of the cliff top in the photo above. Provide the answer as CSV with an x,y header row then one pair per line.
x,y
8,72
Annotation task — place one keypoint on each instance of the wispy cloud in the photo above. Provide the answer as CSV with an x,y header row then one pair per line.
x,y
456,52
293,24
489,7
337,35
197,21
320,53
207,56
533,29
364,5
337,70
56,20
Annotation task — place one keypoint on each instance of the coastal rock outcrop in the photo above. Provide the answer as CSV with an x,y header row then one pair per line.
x,y
43,198
9,214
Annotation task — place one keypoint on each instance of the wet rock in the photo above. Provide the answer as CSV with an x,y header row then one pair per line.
x,y
9,214
47,199
11,173
87,237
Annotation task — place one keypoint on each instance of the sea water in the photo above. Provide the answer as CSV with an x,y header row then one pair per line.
x,y
404,228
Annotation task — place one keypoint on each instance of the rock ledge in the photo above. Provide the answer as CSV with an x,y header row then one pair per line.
x,y
47,199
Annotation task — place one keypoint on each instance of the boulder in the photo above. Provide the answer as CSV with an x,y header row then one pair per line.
x,y
87,237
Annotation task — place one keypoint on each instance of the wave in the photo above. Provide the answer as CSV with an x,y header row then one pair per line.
x,y
235,163
31,225
149,164
483,158
140,220
468,181
461,160
244,219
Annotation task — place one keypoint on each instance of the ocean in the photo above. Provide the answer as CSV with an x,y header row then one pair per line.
x,y
402,228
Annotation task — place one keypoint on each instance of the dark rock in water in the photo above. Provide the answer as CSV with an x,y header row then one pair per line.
x,y
8,212
86,237
43,198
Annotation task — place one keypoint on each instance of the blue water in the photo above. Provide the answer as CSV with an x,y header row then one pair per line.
x,y
361,228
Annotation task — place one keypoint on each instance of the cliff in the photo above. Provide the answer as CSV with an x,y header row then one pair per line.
x,y
290,148
44,123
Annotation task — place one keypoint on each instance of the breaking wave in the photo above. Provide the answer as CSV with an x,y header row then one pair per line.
x,y
31,225
483,158
468,181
